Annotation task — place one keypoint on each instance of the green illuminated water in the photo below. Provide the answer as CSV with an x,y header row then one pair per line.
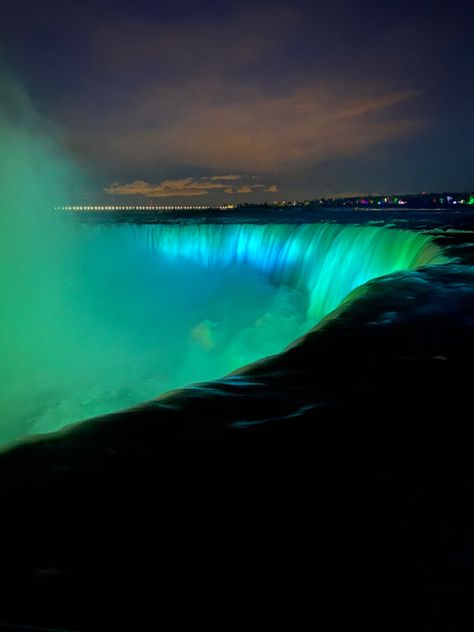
x,y
322,261
128,312
97,318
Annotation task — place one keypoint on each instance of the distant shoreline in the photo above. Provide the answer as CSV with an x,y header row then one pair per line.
x,y
420,218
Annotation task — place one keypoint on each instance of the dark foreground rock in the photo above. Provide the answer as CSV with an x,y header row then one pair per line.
x,y
332,484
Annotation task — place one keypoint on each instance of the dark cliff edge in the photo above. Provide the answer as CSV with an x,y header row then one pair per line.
x,y
334,481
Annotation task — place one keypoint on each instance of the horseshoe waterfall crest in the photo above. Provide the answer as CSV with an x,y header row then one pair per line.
x,y
324,261
135,310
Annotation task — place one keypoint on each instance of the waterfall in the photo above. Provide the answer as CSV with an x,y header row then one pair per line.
x,y
325,261
95,318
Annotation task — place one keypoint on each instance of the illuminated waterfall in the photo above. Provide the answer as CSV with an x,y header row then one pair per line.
x,y
325,261
129,311
95,318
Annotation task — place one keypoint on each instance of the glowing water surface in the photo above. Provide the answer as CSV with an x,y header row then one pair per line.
x,y
130,311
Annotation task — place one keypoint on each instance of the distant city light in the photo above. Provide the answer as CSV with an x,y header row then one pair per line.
x,y
137,208
378,202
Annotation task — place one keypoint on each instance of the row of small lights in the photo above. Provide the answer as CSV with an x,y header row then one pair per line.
x,y
131,208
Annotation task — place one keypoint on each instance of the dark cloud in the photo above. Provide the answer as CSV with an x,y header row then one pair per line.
x,y
345,95
185,187
257,132
204,44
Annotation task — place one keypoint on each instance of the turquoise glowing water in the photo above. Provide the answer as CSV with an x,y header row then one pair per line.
x,y
97,318
322,261
130,311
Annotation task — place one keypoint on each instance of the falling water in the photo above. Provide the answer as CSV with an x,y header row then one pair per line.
x,y
95,318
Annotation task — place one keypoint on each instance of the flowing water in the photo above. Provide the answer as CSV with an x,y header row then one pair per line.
x,y
95,318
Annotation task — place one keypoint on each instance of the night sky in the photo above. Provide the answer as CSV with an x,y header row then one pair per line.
x,y
209,102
